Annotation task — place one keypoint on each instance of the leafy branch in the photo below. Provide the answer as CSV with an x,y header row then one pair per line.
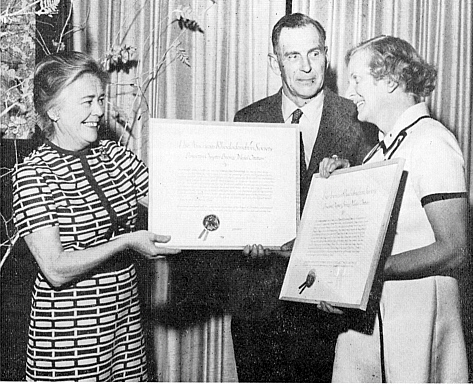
x,y
17,47
121,58
11,14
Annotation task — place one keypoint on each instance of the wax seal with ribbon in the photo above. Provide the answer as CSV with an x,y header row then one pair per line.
x,y
309,281
210,223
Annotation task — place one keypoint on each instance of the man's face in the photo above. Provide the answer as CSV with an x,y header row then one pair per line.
x,y
301,61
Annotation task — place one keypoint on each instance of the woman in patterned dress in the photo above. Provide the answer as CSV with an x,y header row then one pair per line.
x,y
417,334
75,203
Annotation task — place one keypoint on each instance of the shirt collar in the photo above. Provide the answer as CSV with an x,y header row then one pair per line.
x,y
311,110
408,117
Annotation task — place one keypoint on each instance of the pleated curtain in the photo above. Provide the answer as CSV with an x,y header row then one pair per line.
x,y
441,30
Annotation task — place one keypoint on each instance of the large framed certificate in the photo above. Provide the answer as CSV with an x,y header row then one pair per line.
x,y
341,235
223,185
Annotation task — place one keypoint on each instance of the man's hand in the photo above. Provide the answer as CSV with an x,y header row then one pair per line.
x,y
324,306
330,164
258,251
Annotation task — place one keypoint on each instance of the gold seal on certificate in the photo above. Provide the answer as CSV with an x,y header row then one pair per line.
x,y
309,281
211,223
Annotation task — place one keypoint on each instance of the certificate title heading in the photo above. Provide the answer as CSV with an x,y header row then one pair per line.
x,y
230,147
248,146
350,197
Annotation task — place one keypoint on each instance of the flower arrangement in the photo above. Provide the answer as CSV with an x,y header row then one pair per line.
x,y
17,49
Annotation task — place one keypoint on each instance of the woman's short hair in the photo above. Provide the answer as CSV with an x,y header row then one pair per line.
x,y
394,58
295,20
53,74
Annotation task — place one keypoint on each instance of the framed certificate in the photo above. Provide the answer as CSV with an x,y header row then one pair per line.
x,y
223,185
341,235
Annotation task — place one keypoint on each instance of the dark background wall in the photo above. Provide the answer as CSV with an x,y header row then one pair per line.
x,y
16,278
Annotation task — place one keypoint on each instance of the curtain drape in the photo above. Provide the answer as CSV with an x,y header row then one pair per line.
x,y
441,30
228,69
229,63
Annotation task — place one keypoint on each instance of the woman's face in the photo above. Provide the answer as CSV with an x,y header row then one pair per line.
x,y
77,113
364,90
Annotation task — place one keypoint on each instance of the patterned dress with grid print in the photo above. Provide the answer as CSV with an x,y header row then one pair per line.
x,y
90,329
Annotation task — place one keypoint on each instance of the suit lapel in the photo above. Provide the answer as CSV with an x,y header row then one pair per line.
x,y
327,136
274,111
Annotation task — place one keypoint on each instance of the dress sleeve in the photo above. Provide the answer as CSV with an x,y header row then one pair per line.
x,y
438,165
33,203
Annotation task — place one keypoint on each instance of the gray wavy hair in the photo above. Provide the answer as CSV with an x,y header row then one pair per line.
x,y
53,74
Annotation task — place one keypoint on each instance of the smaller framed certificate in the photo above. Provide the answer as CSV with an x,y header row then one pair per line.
x,y
341,235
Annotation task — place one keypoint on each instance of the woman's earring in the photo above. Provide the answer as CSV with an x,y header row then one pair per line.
x,y
53,115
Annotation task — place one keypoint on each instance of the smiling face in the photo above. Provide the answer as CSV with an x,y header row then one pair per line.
x,y
301,62
77,112
364,90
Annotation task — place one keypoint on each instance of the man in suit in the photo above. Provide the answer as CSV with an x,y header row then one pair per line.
x,y
278,341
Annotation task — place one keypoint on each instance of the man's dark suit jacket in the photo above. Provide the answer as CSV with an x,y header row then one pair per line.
x,y
340,133
256,283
